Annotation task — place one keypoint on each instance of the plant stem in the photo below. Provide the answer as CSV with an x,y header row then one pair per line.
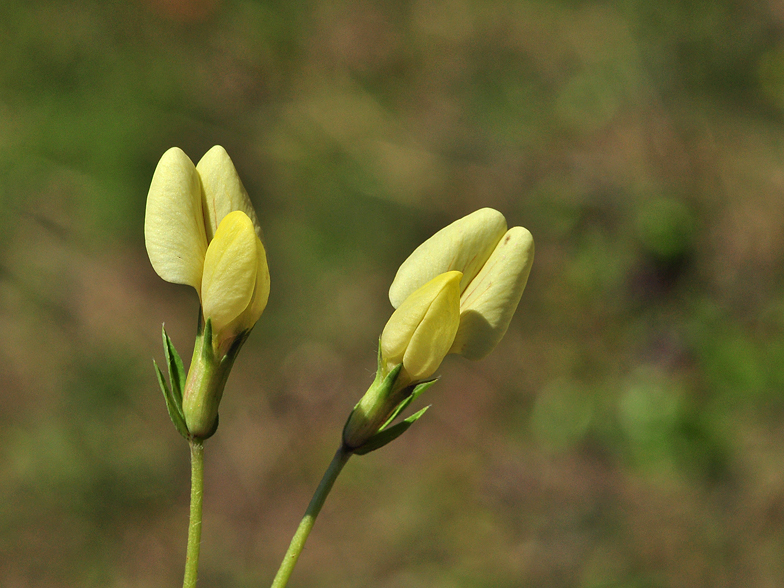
x,y
194,527
305,526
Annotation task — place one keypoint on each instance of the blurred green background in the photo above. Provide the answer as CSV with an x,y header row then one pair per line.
x,y
627,432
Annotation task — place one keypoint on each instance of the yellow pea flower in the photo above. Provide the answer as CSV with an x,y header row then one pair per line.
x,y
186,208
495,263
200,229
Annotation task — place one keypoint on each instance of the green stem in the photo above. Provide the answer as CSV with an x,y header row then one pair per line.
x,y
305,526
194,527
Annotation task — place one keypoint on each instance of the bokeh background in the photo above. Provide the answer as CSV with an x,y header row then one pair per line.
x,y
627,432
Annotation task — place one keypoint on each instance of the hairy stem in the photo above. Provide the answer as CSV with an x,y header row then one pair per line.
x,y
194,527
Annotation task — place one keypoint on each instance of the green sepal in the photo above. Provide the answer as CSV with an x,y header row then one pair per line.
x,y
176,369
388,385
418,389
206,342
386,436
175,411
365,418
206,381
379,357
212,430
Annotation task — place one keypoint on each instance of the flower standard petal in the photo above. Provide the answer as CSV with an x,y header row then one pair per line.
x,y
223,190
230,267
465,245
420,332
487,305
173,221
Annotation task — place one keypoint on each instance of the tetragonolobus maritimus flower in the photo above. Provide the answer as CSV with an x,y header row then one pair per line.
x,y
456,293
200,229
495,263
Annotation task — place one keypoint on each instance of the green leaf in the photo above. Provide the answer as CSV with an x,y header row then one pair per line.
x,y
386,436
418,389
176,370
174,412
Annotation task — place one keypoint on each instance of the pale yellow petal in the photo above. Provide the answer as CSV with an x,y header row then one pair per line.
x,y
487,305
464,246
223,190
261,292
258,301
173,221
420,332
230,268
434,336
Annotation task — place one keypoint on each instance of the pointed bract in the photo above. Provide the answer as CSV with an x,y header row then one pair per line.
x,y
386,435
174,410
175,366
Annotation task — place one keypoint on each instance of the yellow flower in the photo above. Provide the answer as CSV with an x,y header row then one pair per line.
x,y
200,229
495,265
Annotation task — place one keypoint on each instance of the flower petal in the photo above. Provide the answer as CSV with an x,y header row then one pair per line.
x,y
230,268
464,246
487,305
420,332
223,190
258,301
174,222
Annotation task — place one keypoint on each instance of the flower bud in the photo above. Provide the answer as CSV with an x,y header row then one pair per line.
x,y
200,229
186,205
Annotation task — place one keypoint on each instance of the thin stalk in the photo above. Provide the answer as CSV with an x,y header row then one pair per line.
x,y
194,527
306,524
